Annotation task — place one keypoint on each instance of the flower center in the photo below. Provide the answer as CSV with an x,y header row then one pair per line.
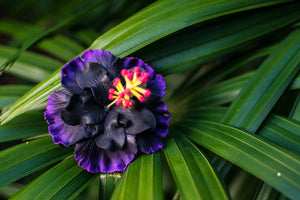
x,y
133,79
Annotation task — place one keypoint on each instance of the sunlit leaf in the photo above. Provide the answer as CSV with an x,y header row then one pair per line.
x,y
145,174
192,172
30,66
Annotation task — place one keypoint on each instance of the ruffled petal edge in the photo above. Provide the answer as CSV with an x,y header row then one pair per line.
x,y
95,159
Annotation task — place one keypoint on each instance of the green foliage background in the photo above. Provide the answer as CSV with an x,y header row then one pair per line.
x,y
232,72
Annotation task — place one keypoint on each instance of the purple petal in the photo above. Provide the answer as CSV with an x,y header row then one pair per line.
x,y
57,101
95,159
61,132
163,116
105,58
68,75
157,86
131,62
65,134
87,153
118,161
148,143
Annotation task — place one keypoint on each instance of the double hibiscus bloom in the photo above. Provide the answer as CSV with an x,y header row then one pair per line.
x,y
110,108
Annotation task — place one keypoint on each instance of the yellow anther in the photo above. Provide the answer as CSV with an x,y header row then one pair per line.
x,y
132,79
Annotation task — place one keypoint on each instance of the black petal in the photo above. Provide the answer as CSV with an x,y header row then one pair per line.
x,y
113,137
136,119
82,110
95,77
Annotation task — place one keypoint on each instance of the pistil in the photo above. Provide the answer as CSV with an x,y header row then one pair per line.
x,y
133,81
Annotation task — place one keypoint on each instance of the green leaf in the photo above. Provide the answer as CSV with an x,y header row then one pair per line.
x,y
271,163
165,17
154,22
61,47
26,125
224,69
7,191
30,66
283,131
267,192
145,174
278,129
205,113
64,181
18,30
192,172
221,93
107,185
35,96
295,113
200,44
11,93
264,89
21,160
224,92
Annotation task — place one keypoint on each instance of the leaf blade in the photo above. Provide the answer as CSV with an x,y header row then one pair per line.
x,y
64,181
271,163
21,160
260,94
193,174
149,181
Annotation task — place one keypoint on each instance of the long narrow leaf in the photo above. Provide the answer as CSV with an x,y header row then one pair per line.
x,y
280,130
11,93
264,159
64,181
21,160
168,17
107,185
32,98
295,113
62,47
200,44
283,131
258,97
192,172
30,66
27,125
145,173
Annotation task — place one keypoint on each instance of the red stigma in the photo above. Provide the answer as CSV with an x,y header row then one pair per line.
x,y
119,102
148,93
136,70
116,81
142,99
123,72
110,97
111,91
